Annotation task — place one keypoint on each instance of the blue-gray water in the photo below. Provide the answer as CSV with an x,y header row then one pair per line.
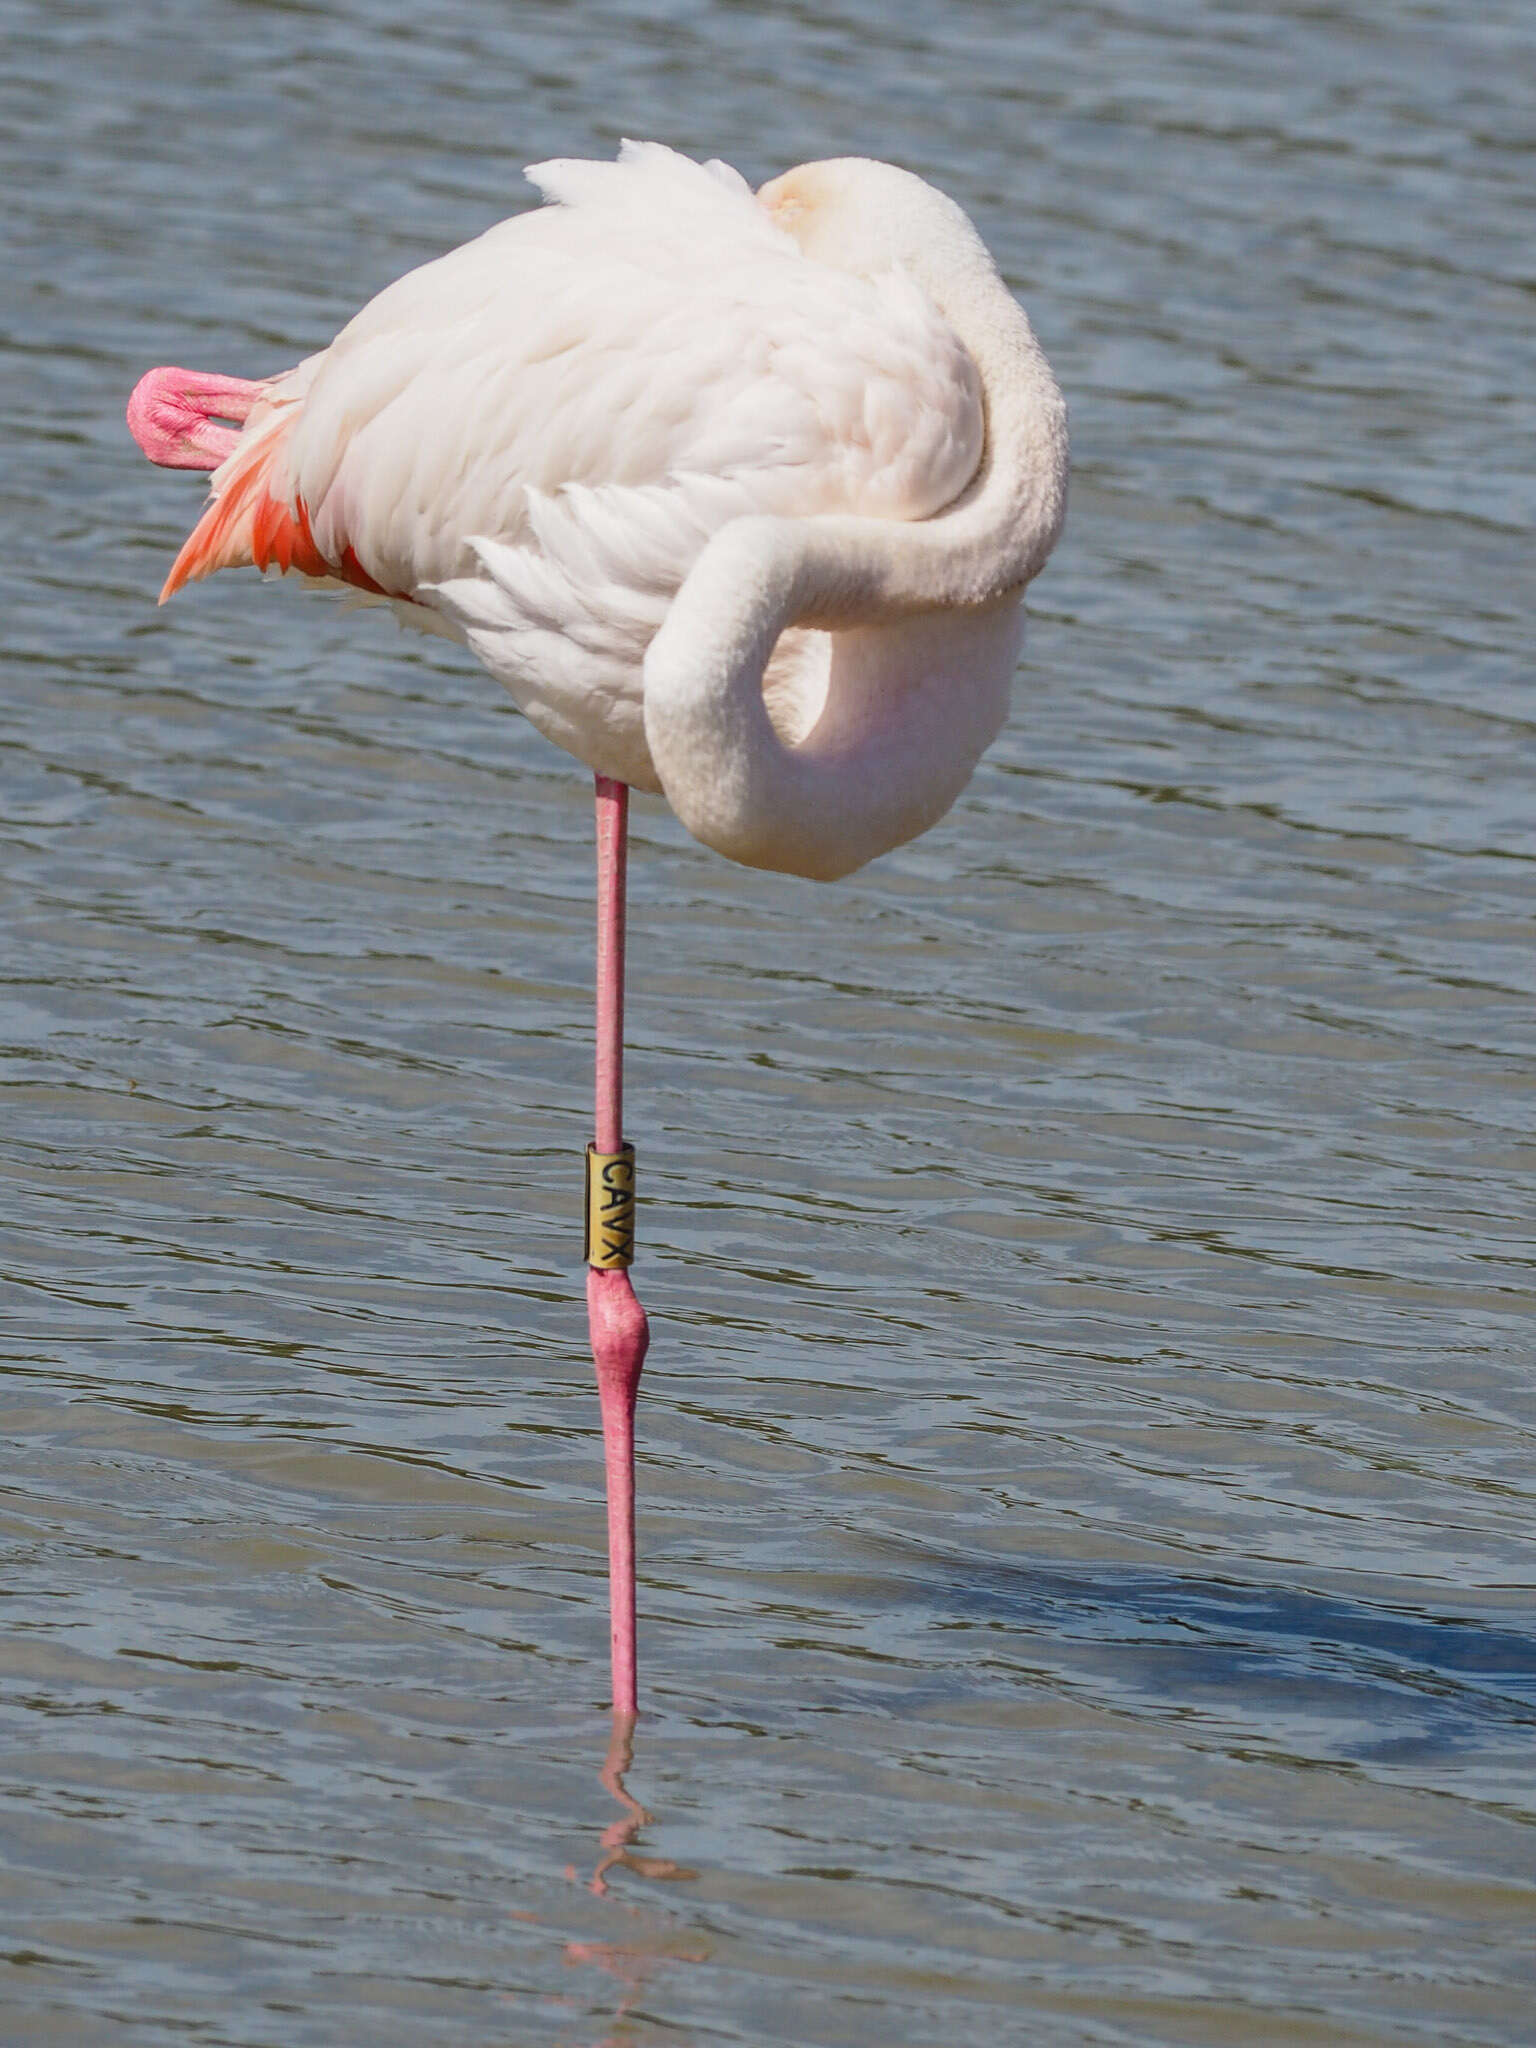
x,y
1086,1487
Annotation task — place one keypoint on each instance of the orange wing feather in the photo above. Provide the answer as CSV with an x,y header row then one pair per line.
x,y
247,523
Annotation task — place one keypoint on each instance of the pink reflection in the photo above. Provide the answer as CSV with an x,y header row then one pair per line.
x,y
618,1835
654,1940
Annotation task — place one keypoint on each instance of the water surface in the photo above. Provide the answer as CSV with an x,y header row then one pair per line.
x,y
1086,1490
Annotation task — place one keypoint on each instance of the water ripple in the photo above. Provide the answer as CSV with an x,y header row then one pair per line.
x,y
1086,1508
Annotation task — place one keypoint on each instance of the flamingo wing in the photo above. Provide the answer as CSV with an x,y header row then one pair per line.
x,y
535,435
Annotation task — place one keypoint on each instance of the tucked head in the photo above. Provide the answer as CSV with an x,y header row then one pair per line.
x,y
864,216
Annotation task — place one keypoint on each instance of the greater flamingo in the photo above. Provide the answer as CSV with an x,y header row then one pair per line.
x,y
738,496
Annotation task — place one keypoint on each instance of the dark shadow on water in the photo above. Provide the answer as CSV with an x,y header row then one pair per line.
x,y
1347,1678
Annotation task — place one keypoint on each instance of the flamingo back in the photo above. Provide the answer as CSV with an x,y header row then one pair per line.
x,y
536,435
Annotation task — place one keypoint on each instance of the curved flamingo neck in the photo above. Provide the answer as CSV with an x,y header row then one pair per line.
x,y
924,618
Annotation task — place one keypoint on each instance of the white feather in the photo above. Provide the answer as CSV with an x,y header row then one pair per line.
x,y
538,434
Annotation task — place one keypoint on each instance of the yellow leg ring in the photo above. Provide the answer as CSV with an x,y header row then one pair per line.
x,y
610,1213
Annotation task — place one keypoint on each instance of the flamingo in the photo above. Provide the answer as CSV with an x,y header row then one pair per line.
x,y
738,494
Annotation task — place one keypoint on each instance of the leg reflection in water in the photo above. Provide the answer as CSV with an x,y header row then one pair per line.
x,y
618,1835
654,1941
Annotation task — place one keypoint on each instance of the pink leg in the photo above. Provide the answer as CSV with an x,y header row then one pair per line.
x,y
174,416
615,1318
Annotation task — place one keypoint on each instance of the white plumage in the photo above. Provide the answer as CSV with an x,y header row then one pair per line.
x,y
537,438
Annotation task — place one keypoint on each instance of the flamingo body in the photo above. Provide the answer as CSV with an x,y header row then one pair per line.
x,y
737,494
532,442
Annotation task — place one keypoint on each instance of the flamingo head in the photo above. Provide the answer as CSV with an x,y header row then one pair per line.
x,y
868,217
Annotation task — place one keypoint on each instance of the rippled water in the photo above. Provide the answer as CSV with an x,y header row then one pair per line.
x,y
1086,1476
